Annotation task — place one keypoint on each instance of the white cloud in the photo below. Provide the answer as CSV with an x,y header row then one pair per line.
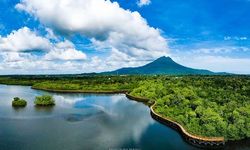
x,y
220,50
11,57
50,34
119,59
39,65
16,53
64,45
104,22
141,3
65,51
225,58
237,38
24,40
65,54
14,47
216,63
127,36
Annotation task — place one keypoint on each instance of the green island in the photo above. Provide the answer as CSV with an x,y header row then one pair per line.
x,y
210,106
44,100
17,102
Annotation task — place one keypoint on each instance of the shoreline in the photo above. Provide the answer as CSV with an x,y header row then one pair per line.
x,y
81,91
195,140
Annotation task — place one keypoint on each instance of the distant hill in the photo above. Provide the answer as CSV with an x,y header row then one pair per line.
x,y
162,65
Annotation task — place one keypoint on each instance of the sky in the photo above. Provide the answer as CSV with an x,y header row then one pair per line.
x,y
82,36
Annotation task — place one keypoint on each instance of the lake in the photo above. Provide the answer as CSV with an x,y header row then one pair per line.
x,y
82,121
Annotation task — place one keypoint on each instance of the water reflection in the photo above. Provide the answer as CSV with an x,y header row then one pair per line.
x,y
44,110
78,117
18,109
121,120
67,100
80,121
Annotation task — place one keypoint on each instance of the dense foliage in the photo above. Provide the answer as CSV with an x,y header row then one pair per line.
x,y
208,106
204,105
80,83
44,100
17,102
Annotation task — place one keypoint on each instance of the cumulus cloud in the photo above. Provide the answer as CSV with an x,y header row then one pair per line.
x,y
104,22
24,40
65,54
14,47
18,53
141,3
65,51
33,66
11,57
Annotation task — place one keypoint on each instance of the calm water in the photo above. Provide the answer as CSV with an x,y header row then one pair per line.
x,y
81,122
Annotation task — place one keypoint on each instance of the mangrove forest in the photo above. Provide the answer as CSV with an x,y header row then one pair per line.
x,y
210,106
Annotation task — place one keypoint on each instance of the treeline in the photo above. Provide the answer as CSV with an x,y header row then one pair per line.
x,y
83,83
208,106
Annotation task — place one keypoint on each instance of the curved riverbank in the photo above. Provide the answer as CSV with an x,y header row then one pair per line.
x,y
81,91
139,99
190,138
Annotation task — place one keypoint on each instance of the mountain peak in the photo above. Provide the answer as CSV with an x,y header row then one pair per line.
x,y
163,61
163,65
164,58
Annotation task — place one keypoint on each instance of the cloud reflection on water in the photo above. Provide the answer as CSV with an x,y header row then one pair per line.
x,y
106,121
115,116
67,101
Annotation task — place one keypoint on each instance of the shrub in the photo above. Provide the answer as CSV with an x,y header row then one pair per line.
x,y
17,102
44,100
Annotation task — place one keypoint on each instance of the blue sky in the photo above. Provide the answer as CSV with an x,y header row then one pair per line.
x,y
75,36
